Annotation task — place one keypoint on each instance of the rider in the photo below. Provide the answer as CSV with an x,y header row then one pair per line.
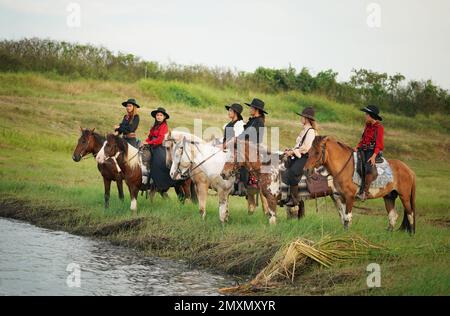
x,y
129,123
371,145
254,132
299,154
159,172
236,126
231,130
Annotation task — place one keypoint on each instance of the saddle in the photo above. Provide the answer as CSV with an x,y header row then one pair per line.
x,y
317,185
360,161
383,170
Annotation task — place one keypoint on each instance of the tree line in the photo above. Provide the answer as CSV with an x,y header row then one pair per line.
x,y
392,93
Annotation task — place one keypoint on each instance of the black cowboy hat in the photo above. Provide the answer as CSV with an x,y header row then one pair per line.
x,y
257,104
307,112
236,107
373,111
160,110
132,101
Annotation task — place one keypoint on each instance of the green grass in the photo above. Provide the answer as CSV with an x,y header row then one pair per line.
x,y
39,128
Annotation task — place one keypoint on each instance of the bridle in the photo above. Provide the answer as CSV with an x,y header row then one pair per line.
x,y
323,158
189,172
83,151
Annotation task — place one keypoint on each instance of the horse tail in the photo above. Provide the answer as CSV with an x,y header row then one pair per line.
x,y
413,202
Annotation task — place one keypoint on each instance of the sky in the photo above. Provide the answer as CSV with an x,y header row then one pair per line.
x,y
411,37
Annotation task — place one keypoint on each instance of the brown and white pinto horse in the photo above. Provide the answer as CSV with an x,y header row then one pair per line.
x,y
125,159
338,159
91,143
268,180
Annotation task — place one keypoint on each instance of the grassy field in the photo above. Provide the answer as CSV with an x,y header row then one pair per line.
x,y
40,183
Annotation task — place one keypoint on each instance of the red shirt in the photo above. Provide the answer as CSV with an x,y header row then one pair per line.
x,y
369,135
156,134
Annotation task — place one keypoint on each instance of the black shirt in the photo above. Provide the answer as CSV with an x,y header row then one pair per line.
x,y
254,127
127,127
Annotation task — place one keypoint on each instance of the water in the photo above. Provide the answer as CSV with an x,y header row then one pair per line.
x,y
33,261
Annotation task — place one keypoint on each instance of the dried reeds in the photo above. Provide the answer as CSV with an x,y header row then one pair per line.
x,y
290,259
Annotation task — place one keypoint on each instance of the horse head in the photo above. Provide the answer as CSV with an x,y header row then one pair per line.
x,y
85,145
316,155
242,153
181,159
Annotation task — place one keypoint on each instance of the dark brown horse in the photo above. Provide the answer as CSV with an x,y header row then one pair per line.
x,y
337,158
91,143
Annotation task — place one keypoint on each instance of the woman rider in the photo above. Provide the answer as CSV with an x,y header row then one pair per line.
x,y
299,154
236,125
231,130
254,132
159,172
371,145
129,123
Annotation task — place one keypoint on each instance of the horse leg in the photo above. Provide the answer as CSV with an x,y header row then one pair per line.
x,y
251,203
179,190
348,212
202,193
223,205
272,205
408,223
301,209
389,202
120,189
340,206
265,205
107,184
133,194
164,194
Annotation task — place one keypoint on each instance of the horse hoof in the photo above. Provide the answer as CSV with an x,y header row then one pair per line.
x,y
346,224
273,220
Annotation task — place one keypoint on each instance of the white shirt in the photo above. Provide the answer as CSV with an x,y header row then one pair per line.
x,y
238,128
301,149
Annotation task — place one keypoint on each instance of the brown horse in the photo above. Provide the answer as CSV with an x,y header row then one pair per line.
x,y
266,173
337,158
91,143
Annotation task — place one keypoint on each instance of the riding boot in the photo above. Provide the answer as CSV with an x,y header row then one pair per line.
x,y
293,201
370,177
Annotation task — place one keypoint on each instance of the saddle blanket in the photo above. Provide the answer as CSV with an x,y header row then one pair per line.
x,y
384,177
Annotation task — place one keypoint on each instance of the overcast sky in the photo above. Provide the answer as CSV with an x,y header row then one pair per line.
x,y
407,36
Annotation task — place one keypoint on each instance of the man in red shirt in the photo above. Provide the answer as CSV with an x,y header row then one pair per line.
x,y
371,145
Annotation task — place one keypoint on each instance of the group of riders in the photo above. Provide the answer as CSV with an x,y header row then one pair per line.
x,y
369,149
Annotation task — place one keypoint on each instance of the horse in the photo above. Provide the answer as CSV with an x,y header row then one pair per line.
x,y
339,161
202,162
268,180
125,159
91,143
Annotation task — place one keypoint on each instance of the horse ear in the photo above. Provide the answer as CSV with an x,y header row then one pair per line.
x,y
81,129
92,130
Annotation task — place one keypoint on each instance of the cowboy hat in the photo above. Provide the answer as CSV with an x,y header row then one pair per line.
x,y
236,108
132,101
257,104
160,110
373,111
307,112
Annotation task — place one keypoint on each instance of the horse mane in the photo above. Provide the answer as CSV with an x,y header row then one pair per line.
x,y
319,139
178,136
131,153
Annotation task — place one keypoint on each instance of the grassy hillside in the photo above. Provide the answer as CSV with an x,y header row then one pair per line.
x,y
39,128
